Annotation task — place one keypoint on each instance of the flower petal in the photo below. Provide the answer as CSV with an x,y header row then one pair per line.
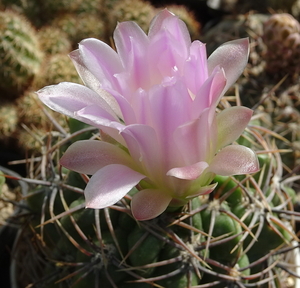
x,y
203,190
88,156
148,204
231,123
94,116
194,139
190,172
195,70
144,148
166,20
210,92
92,82
164,100
109,185
232,56
234,160
68,98
102,61
132,44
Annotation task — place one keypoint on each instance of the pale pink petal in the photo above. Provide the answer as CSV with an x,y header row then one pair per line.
x,y
68,98
150,203
190,172
88,156
92,82
203,190
168,48
210,92
109,185
232,56
166,20
164,100
193,139
234,160
140,104
144,148
102,61
128,114
128,35
92,115
195,69
166,57
132,45
231,123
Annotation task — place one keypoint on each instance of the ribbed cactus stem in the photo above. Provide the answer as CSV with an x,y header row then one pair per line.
x,y
20,53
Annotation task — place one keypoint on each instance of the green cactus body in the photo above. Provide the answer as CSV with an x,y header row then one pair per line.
x,y
20,54
224,224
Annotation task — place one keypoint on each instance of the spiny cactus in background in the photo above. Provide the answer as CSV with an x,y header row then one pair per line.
x,y
58,68
53,7
54,40
282,38
283,5
20,54
31,9
131,10
91,25
189,19
8,120
34,122
239,236
31,112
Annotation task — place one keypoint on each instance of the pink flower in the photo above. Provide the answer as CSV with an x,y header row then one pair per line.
x,y
157,97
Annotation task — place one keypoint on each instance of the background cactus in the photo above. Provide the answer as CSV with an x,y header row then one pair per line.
x,y
54,40
8,120
20,54
139,11
282,37
91,25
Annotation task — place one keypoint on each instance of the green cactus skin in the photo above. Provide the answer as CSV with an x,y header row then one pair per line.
x,y
20,54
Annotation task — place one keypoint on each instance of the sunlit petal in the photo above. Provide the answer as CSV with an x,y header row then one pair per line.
x,y
234,160
109,185
231,123
148,204
88,156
